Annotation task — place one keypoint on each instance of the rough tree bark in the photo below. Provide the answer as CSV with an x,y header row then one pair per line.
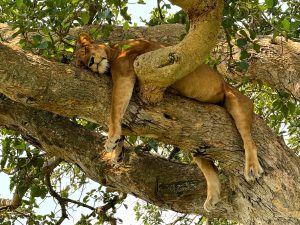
x,y
277,64
70,92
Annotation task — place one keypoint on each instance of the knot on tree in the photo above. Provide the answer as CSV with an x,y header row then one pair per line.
x,y
172,58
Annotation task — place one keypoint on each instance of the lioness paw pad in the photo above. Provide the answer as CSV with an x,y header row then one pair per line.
x,y
253,172
210,203
112,143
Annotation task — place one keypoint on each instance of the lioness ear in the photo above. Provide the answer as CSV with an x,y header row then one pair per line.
x,y
84,39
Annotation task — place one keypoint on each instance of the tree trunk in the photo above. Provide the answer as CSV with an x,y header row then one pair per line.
x,y
190,125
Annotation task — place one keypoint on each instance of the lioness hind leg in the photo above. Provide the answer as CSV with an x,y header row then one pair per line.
x,y
212,180
241,109
122,92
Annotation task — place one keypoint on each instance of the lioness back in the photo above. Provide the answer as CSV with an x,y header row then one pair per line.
x,y
135,47
203,84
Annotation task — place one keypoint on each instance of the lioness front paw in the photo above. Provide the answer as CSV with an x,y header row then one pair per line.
x,y
118,155
111,143
253,171
211,202
213,195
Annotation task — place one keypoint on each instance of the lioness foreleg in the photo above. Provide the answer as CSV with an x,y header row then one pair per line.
x,y
212,180
121,95
241,109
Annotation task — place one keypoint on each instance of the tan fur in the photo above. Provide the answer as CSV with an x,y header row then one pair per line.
x,y
203,84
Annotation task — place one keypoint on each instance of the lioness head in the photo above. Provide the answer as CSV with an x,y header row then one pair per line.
x,y
91,55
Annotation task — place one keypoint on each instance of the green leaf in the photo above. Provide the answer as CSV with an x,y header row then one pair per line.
x,y
275,34
85,17
291,107
277,104
256,47
295,25
71,49
244,33
65,192
228,22
6,145
167,6
153,144
126,25
85,199
125,46
43,191
244,55
37,38
17,33
43,45
38,191
3,161
22,188
19,3
241,42
269,3
21,146
286,24
242,65
132,139
252,34
285,111
38,162
262,7
46,30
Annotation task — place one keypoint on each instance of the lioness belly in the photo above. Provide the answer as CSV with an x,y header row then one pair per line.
x,y
203,84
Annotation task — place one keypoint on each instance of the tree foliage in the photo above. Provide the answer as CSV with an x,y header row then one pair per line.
x,y
44,28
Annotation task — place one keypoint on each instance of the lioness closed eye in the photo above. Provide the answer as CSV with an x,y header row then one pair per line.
x,y
203,84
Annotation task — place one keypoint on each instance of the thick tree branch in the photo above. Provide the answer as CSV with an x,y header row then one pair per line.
x,y
276,65
159,69
195,127
64,139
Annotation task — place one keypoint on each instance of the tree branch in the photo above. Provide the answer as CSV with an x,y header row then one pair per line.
x,y
70,92
47,170
276,65
103,210
159,69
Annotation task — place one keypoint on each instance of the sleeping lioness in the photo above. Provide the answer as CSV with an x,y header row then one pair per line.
x,y
203,84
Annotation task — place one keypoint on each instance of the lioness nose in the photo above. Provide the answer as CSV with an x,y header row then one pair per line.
x,y
91,61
